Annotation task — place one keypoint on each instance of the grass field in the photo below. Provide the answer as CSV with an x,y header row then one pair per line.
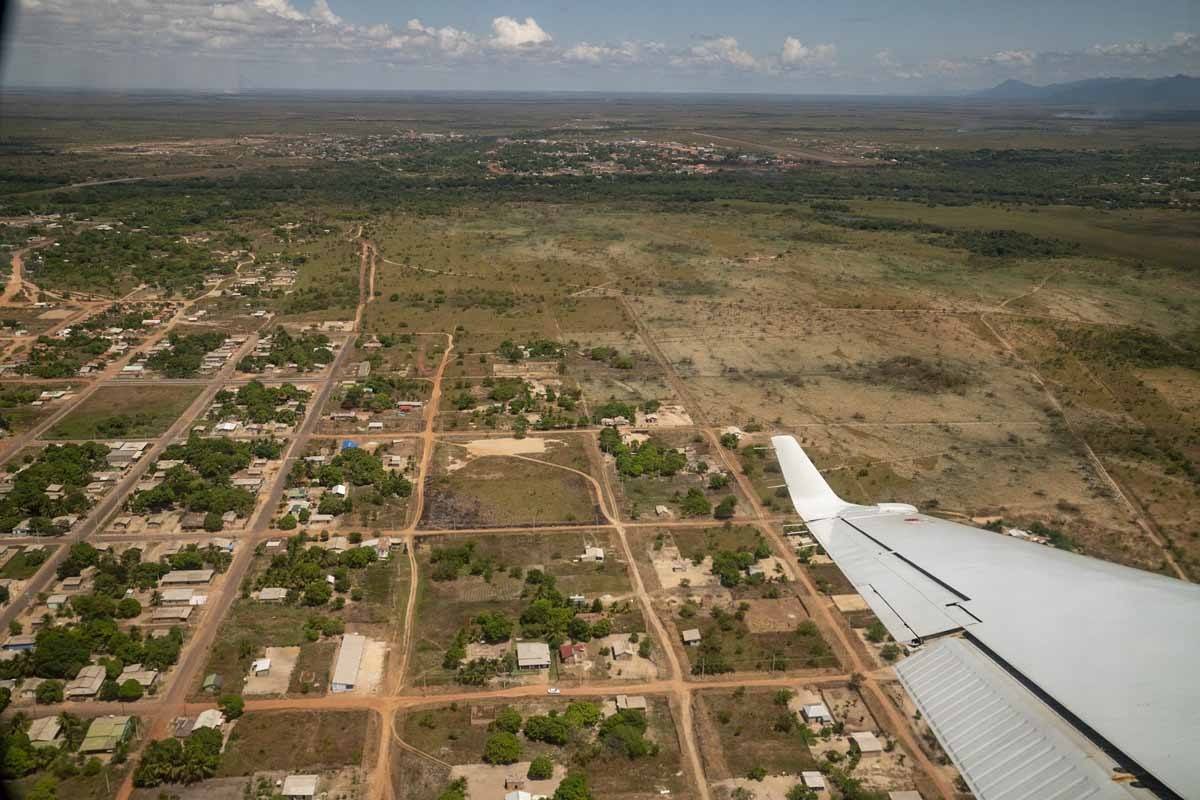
x,y
126,411
22,566
740,730
500,491
315,741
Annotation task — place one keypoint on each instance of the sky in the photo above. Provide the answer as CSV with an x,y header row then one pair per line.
x,y
782,46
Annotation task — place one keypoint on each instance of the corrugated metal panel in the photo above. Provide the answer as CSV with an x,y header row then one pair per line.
x,y
345,671
1007,744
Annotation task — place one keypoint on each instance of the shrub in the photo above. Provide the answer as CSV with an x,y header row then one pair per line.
x,y
502,747
232,705
129,691
541,768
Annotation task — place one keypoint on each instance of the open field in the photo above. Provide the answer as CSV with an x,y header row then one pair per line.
x,y
488,490
315,741
118,412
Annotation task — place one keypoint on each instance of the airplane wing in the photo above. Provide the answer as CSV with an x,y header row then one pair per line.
x,y
1110,650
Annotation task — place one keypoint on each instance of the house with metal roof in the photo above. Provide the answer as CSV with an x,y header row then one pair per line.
x,y
45,732
628,702
183,576
816,712
299,787
86,684
533,655
177,597
349,657
105,734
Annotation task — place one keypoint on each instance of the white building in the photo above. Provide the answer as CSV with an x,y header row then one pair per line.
x,y
345,669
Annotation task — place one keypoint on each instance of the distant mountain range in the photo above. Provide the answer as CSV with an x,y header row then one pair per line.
x,y
1178,91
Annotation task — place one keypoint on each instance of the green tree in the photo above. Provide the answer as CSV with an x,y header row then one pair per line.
x,y
456,790
541,768
695,504
45,788
49,692
551,730
502,747
573,787
495,626
725,508
507,719
231,705
317,593
129,691
287,523
128,608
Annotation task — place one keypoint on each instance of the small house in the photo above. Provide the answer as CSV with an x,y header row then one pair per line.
x,y
816,712
533,655
299,787
868,744
569,653
691,637
260,666
177,597
209,718
86,684
272,594
105,734
593,554
45,732
192,521
634,702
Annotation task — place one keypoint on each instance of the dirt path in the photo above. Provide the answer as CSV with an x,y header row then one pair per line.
x,y
381,780
15,278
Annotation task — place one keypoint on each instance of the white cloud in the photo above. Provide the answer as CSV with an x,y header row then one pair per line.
x,y
321,12
716,52
796,53
280,8
1018,57
624,53
511,34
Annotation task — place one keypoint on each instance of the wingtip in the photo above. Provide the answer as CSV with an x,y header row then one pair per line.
x,y
811,495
